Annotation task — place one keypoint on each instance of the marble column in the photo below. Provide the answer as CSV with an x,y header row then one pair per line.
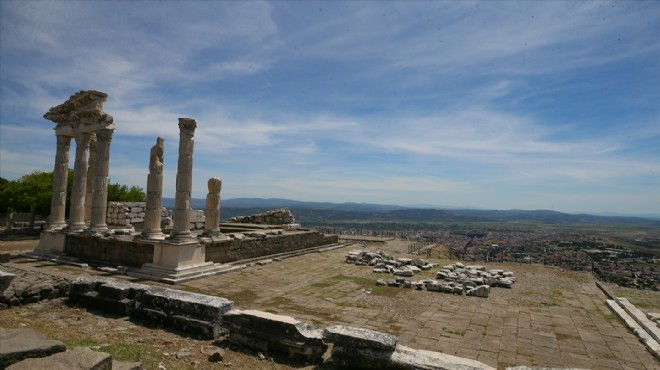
x,y
100,181
89,195
181,231
60,173
151,228
212,212
77,210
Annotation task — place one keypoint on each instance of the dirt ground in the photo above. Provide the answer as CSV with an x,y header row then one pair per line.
x,y
551,318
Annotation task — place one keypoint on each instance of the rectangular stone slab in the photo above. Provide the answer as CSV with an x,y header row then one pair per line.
x,y
19,344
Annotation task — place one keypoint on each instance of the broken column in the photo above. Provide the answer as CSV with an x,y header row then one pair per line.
x,y
101,172
212,212
151,228
182,199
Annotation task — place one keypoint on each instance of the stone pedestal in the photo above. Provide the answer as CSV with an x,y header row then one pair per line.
x,y
175,262
51,242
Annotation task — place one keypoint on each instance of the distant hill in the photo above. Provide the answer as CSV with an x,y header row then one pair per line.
x,y
321,212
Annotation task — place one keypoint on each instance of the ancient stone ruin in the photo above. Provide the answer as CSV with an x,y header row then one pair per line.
x,y
280,216
172,253
454,279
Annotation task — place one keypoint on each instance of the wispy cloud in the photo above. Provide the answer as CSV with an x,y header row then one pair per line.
x,y
390,102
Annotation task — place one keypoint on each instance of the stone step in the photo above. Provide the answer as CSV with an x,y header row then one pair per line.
x,y
19,344
650,343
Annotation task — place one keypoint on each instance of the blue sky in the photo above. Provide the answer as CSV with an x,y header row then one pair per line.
x,y
497,105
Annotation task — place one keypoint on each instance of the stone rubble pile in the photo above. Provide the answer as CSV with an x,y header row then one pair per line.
x,y
383,263
19,287
454,279
281,216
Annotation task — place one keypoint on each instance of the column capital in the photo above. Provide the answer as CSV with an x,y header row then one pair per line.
x,y
187,126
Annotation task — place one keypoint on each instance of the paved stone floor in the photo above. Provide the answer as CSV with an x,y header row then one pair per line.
x,y
550,318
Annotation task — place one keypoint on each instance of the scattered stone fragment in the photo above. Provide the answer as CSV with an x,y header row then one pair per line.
x,y
217,355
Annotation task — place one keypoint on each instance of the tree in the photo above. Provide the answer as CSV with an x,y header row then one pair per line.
x,y
122,193
33,192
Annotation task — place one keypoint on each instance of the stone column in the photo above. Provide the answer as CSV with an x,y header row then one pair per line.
x,y
77,210
89,195
151,227
60,173
181,231
100,181
212,212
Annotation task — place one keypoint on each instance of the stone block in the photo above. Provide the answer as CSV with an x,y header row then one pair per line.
x,y
5,279
482,291
80,358
401,358
269,332
19,344
352,337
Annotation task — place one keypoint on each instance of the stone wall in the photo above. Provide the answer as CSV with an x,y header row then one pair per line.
x,y
280,216
252,247
195,314
125,213
109,250
132,253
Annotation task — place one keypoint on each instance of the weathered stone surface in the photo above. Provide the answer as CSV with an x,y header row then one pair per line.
x,y
81,358
30,286
269,332
195,314
480,291
280,216
352,337
124,365
5,280
19,344
401,358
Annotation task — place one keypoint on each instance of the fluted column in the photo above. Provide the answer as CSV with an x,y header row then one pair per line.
x,y
151,228
77,210
212,212
100,181
182,206
60,173
89,195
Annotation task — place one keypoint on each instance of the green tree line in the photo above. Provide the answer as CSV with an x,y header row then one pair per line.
x,y
32,193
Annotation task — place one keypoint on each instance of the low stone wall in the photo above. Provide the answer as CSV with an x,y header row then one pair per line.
x,y
275,217
249,247
266,332
195,314
209,317
135,253
109,250
125,213
19,287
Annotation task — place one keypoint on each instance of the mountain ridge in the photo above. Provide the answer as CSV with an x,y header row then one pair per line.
x,y
328,211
